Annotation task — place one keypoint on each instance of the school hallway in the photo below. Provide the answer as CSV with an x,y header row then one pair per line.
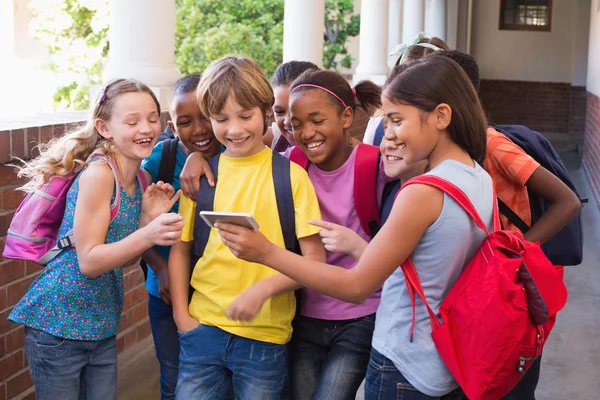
x,y
571,361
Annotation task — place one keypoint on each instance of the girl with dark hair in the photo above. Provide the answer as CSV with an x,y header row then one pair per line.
x,y
433,114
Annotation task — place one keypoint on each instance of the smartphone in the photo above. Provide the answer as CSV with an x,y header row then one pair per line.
x,y
241,219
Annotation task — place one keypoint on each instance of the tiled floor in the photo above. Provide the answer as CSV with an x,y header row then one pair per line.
x,y
571,363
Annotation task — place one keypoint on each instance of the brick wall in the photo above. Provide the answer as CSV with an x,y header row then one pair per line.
x,y
16,276
542,106
591,150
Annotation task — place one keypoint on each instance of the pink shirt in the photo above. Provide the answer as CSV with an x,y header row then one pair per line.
x,y
335,192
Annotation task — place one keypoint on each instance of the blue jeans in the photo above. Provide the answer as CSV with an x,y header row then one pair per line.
x,y
329,359
211,359
384,382
71,369
166,344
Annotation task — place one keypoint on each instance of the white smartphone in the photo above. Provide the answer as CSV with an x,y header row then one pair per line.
x,y
241,219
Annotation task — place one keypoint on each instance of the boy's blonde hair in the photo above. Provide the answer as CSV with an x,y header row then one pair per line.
x,y
68,153
238,76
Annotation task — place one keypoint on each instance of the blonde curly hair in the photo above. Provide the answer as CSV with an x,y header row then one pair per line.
x,y
69,153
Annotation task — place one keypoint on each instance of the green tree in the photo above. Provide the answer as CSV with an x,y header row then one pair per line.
x,y
340,25
75,32
209,29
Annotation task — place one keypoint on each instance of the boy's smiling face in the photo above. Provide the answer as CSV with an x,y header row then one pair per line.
x,y
191,126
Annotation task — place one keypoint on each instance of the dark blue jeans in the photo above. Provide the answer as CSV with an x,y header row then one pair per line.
x,y
71,369
328,359
166,344
211,359
384,382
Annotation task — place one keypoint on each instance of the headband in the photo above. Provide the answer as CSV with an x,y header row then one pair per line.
x,y
402,49
325,89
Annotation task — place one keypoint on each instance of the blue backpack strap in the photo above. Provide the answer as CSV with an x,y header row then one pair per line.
x,y
285,200
379,133
204,202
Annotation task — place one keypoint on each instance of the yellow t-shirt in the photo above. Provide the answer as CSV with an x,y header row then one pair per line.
x,y
246,185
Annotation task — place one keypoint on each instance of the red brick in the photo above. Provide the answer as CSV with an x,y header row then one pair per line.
x,y
30,395
11,364
15,339
11,198
133,279
5,218
3,299
19,384
32,268
33,139
123,323
17,143
5,324
17,289
2,243
120,343
11,270
137,313
5,146
143,330
58,130
46,133
135,296
8,174
2,348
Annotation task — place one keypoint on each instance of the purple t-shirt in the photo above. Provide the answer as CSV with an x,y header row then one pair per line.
x,y
335,192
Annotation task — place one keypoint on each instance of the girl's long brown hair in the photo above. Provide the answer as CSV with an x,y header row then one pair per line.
x,y
431,81
70,152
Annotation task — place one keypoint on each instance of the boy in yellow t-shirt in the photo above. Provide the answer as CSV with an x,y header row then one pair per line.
x,y
216,348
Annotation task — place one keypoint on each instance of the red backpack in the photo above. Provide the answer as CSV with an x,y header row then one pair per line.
x,y
498,314
366,169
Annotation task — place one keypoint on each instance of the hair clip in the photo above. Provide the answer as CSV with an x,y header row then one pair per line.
x,y
102,93
354,91
402,49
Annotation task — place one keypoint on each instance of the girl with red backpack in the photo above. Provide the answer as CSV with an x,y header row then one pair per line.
x,y
71,311
433,114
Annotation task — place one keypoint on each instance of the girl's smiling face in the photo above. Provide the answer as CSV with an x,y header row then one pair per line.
x,y
281,110
319,128
413,132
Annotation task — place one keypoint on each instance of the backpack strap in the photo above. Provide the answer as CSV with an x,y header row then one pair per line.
x,y
285,200
379,134
512,216
204,202
366,170
168,157
69,239
297,156
411,277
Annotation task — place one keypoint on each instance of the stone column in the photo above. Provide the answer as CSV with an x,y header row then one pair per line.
x,y
142,44
303,30
413,20
373,48
435,18
394,28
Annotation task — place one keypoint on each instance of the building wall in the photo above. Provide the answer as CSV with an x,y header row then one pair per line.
x,y
591,152
534,78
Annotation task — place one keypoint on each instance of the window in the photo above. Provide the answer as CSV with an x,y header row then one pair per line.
x,y
526,15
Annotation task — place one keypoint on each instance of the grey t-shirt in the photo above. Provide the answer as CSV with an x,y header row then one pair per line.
x,y
440,256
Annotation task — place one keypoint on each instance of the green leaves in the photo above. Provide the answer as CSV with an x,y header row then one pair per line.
x,y
76,33
340,25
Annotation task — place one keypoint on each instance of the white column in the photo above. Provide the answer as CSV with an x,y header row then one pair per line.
x,y
373,48
394,28
413,20
303,30
142,44
452,11
435,18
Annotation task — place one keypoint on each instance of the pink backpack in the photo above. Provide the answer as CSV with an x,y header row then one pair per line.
x,y
33,231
